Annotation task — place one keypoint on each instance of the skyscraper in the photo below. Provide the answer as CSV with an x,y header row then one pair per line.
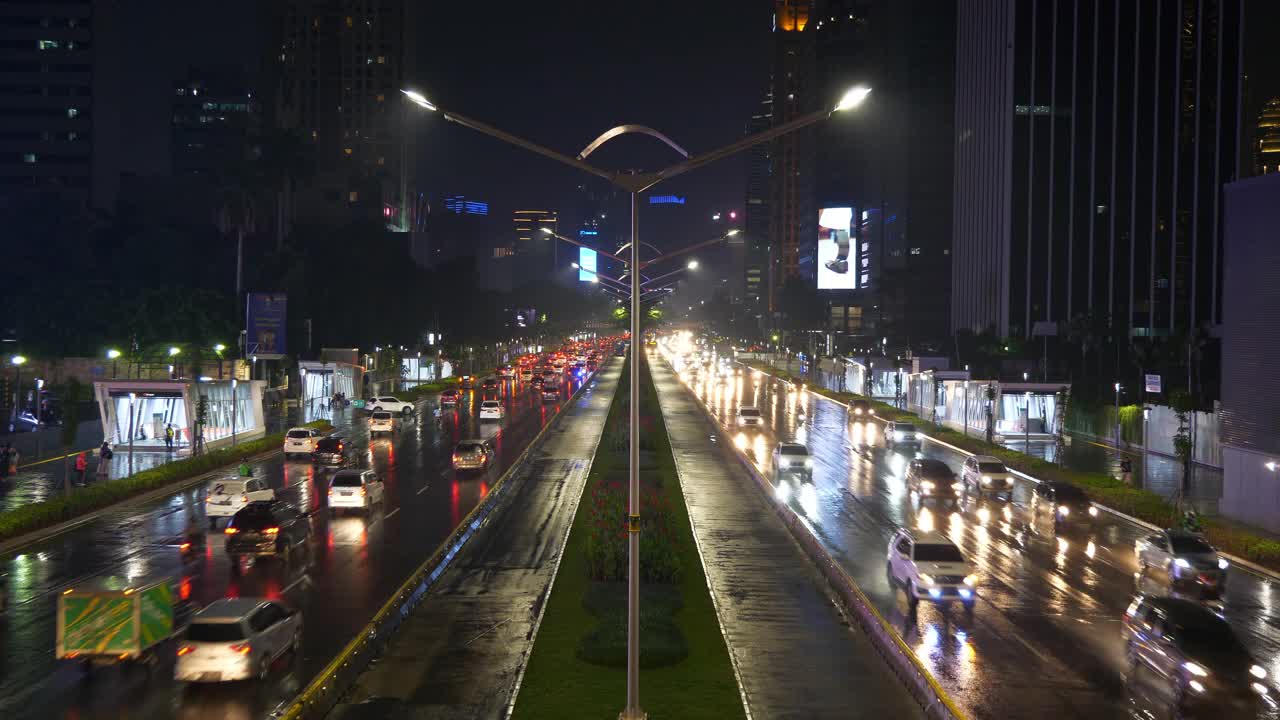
x,y
1093,140
215,116
793,216
538,250
341,64
755,221
47,58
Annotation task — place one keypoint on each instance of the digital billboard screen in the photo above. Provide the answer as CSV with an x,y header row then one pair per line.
x,y
586,264
265,324
835,266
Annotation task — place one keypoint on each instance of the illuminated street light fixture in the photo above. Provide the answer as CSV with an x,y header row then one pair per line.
x,y
634,183
174,351
693,265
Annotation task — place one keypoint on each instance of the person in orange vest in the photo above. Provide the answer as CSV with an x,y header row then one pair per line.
x,y
82,465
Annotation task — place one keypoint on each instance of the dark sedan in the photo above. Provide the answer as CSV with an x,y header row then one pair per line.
x,y
931,478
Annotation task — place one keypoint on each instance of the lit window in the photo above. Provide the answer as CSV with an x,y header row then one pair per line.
x,y
382,161
47,44
382,59
29,158
381,97
346,151
181,91
915,251
353,196
314,135
72,112
348,21
73,135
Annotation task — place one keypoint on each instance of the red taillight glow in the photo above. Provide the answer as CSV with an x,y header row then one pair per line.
x,y
185,650
244,498
184,546
230,530
363,492
242,648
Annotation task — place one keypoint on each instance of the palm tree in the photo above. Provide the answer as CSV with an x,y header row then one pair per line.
x,y
284,157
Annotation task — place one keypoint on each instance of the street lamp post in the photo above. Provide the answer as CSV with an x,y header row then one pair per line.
x,y
17,361
302,395
113,355
635,183
234,382
132,397
1117,416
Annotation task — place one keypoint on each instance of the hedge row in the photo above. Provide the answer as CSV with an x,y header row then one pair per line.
x,y
1101,487
99,495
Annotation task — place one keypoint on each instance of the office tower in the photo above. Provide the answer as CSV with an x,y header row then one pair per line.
x,y
755,221
47,56
793,216
1266,151
1093,138
214,123
341,65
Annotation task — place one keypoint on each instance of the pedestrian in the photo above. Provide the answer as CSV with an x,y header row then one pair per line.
x,y
14,456
104,456
1126,470
4,460
82,466
168,437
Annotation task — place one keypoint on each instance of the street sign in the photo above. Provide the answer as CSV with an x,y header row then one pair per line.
x,y
1153,383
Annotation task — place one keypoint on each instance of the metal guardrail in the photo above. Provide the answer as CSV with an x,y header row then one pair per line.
x,y
328,686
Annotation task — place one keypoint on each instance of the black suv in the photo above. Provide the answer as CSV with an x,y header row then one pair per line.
x,y
1062,503
1191,656
270,528
861,409
330,451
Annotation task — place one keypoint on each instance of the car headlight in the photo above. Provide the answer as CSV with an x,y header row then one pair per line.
x,y
926,579
1182,563
986,479
927,485
957,487
1063,510
1223,565
897,435
1195,669
970,580
1093,511
1196,686
783,462
857,411
1258,672
808,462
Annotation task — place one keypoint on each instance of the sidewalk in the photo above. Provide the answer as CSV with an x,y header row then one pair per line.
x,y
796,655
462,652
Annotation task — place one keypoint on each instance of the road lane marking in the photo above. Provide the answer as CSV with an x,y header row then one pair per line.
x,y
393,512
424,489
293,584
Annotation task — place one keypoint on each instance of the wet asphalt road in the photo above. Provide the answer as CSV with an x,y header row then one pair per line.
x,y
354,563
1044,637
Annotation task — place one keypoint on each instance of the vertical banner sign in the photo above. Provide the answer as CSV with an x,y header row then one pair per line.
x,y
586,264
265,324
835,270
1153,383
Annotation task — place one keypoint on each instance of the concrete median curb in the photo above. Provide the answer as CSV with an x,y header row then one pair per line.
x,y
324,691
917,679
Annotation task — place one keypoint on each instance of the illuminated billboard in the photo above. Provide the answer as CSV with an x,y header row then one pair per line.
x,y
586,264
835,270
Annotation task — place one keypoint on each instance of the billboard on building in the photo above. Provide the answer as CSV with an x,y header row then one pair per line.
x,y
835,266
586,264
265,315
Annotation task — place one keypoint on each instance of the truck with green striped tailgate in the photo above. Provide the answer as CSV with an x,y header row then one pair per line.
x,y
108,624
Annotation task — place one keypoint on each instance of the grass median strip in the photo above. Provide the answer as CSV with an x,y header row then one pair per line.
x,y
36,516
577,668
1101,487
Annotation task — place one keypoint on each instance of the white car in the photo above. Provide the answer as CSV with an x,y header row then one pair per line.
x,y
792,459
928,566
354,490
227,496
236,639
985,474
300,441
389,404
381,421
749,416
491,410
900,433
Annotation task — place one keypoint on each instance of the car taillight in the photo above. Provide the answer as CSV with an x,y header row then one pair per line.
x,y
244,498
209,499
230,530
330,492
242,648
363,492
271,530
186,650
455,458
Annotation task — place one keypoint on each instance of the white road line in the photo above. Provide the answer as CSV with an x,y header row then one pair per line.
x,y
424,489
292,585
393,512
